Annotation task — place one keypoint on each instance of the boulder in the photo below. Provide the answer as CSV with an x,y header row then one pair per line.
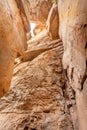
x,y
37,99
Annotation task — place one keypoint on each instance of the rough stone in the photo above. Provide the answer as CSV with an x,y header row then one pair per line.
x,y
39,28
38,9
12,41
73,31
24,14
52,23
37,99
41,46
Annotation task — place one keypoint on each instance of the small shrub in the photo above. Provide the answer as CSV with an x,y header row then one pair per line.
x,y
54,1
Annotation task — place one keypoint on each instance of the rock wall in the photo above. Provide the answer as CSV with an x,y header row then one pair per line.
x,y
39,28
38,9
38,98
52,23
44,95
12,41
24,14
73,31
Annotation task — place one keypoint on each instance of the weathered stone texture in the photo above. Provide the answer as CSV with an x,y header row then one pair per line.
x,y
73,31
38,97
38,9
12,41
21,5
52,23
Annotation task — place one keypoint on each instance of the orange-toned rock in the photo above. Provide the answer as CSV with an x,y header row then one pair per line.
x,y
12,41
52,23
38,9
38,28
24,14
37,99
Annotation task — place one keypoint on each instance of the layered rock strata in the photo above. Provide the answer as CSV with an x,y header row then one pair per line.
x,y
73,31
52,23
12,41
38,98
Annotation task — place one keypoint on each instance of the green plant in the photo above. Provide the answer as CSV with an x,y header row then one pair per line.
x,y
54,1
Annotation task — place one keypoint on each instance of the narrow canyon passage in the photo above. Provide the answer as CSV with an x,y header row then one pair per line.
x,y
43,65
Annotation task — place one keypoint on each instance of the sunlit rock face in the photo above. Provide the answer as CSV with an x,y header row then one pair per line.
x,y
37,12
38,9
73,31
52,23
12,41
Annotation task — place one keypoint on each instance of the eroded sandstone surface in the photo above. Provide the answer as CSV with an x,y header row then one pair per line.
x,y
49,84
12,41
38,98
38,9
52,23
73,31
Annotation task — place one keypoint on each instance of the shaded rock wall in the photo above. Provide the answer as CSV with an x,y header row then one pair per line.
x,y
24,14
73,31
38,9
12,41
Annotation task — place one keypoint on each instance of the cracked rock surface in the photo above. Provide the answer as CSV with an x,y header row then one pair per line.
x,y
73,31
39,98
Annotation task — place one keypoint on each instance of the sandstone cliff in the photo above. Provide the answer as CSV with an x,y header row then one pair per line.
x,y
38,9
12,40
73,31
48,88
52,23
